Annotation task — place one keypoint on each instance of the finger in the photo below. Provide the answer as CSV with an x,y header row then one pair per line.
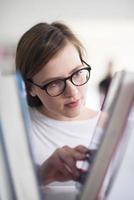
x,y
73,171
66,175
68,157
69,163
82,149
63,175
67,153
79,155
62,170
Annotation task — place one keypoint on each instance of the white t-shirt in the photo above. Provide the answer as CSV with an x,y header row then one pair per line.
x,y
49,134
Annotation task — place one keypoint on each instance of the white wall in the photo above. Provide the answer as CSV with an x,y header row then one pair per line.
x,y
105,27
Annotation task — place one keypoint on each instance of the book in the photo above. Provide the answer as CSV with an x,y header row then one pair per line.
x,y
6,190
107,160
15,145
121,183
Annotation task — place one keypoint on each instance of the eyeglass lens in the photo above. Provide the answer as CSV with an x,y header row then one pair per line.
x,y
79,78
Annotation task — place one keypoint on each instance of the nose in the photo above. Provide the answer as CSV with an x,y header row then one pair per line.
x,y
71,90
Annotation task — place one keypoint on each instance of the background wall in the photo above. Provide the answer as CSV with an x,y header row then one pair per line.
x,y
105,27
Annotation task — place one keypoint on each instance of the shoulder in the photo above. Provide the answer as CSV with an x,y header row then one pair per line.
x,y
32,111
35,114
99,115
91,113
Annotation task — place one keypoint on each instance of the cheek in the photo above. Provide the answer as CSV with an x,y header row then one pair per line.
x,y
48,101
83,91
83,94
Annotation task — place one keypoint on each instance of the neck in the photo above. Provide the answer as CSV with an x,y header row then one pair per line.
x,y
84,115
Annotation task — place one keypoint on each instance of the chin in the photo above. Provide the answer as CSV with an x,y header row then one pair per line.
x,y
73,115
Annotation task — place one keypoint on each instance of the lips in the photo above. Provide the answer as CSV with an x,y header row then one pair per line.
x,y
73,104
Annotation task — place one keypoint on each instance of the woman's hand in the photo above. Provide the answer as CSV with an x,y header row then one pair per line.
x,y
61,165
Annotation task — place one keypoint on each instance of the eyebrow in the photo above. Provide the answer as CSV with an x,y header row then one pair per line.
x,y
61,77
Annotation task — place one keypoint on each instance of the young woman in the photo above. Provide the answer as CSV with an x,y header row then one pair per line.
x,y
50,59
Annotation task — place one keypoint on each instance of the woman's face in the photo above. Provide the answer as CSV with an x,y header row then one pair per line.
x,y
70,104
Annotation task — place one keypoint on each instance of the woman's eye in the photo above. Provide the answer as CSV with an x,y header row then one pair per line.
x,y
52,84
55,84
78,73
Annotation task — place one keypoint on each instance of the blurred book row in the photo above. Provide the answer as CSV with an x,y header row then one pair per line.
x,y
7,57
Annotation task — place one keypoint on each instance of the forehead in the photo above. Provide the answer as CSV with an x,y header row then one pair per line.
x,y
60,65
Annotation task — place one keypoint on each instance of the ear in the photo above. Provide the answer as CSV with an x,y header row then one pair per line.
x,y
32,92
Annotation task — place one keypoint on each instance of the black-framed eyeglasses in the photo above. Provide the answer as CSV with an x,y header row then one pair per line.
x,y
58,86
